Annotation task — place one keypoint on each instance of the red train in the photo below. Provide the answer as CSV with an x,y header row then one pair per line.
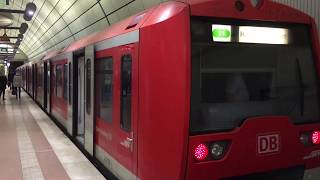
x,y
194,89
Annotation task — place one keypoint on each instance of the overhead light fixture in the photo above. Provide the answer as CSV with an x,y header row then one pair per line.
x,y
23,28
29,12
20,37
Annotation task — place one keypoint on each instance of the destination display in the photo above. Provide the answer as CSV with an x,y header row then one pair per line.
x,y
249,34
263,35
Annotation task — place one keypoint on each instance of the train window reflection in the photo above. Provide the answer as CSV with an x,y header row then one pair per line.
x,y
104,85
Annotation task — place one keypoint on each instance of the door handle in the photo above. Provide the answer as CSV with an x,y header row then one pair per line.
x,y
130,143
130,140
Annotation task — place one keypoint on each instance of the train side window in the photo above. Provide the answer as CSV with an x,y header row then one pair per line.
x,y
59,81
65,81
88,87
104,85
126,91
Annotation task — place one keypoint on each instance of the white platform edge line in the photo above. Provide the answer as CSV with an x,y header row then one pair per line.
x,y
41,123
30,167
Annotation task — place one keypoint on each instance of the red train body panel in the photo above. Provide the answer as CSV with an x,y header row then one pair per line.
x,y
148,97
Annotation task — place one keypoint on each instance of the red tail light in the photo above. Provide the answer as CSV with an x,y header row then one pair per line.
x,y
201,152
316,137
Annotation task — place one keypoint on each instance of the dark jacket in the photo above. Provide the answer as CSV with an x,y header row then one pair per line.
x,y
3,82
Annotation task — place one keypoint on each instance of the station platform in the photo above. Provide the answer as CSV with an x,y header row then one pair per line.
x,y
32,147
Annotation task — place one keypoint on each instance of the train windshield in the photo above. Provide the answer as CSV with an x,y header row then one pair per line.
x,y
237,75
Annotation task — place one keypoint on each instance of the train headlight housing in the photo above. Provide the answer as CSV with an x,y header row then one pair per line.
x,y
310,138
211,150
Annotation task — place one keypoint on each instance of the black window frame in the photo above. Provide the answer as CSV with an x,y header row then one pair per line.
x,y
304,41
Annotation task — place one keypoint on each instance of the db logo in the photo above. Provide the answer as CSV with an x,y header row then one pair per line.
x,y
268,144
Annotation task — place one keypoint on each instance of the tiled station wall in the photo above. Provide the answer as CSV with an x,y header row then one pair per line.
x,y
311,7
57,23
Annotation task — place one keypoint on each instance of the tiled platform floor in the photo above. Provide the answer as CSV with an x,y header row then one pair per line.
x,y
32,147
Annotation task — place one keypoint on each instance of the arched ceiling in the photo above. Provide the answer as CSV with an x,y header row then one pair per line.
x,y
57,23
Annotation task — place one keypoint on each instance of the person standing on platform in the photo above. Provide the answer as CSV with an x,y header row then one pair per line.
x,y
10,78
3,84
17,83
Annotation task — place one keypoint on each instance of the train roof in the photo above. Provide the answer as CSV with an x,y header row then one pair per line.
x,y
266,11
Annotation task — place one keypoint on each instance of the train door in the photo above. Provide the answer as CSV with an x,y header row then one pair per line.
x,y
128,107
81,100
116,108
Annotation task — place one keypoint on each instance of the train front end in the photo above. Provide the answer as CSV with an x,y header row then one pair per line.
x,y
254,109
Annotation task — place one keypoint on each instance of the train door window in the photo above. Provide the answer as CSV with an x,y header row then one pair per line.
x,y
65,81
126,91
69,85
59,81
88,86
104,85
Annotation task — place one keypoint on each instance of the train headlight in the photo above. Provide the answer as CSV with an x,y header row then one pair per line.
x,y
305,139
218,149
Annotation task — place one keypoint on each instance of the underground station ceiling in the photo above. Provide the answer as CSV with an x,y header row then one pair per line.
x,y
57,23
